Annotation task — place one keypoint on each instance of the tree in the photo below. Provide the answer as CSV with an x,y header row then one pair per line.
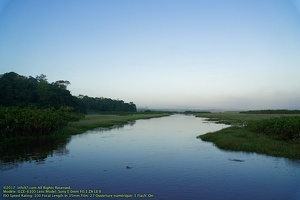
x,y
41,78
62,84
106,104
21,91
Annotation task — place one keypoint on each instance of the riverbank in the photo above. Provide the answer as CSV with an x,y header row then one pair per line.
x,y
72,128
96,121
238,137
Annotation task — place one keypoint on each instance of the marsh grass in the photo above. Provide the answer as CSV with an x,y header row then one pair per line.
x,y
237,118
94,121
284,128
240,137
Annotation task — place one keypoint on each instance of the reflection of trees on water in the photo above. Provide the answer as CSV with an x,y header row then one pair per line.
x,y
36,150
12,155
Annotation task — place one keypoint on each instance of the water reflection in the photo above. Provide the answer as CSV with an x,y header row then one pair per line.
x,y
37,150
114,127
159,156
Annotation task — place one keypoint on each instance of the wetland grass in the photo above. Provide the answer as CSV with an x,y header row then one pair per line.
x,y
259,133
241,139
94,121
237,118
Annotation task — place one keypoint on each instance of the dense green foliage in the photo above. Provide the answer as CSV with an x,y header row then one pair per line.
x,y
106,105
15,121
21,91
284,128
271,112
33,107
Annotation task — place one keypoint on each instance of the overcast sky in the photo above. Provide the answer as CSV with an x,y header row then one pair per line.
x,y
225,54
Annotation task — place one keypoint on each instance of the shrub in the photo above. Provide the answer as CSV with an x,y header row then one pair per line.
x,y
15,121
284,128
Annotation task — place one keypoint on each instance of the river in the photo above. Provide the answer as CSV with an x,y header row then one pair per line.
x,y
158,158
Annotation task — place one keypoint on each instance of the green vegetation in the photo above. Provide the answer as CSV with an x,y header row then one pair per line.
x,y
270,134
17,121
237,118
21,91
36,113
34,107
106,105
272,112
241,139
283,128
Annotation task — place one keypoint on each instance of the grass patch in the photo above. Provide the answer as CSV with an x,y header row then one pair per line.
x,y
269,134
241,139
237,118
94,121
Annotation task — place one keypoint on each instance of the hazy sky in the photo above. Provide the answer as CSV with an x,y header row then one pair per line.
x,y
228,54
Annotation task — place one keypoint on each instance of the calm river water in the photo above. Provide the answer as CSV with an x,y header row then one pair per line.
x,y
158,157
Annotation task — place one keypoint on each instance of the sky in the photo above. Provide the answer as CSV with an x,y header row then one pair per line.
x,y
177,54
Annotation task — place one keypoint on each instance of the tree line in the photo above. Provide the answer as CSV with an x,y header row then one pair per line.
x,y
106,105
22,91
33,106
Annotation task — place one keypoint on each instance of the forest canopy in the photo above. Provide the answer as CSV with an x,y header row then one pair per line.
x,y
106,105
22,91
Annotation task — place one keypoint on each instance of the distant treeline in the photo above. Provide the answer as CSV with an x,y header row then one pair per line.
x,y
22,91
271,112
196,112
106,105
